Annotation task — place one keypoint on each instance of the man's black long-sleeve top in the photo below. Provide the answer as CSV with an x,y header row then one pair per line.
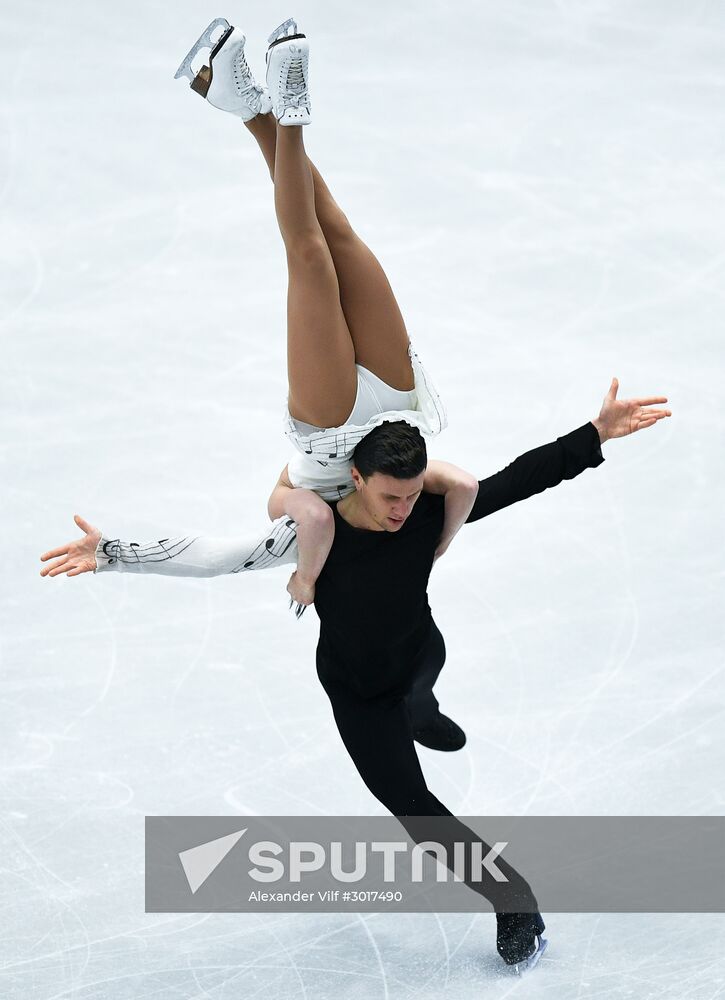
x,y
371,596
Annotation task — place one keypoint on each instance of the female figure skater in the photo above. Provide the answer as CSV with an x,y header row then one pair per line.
x,y
350,363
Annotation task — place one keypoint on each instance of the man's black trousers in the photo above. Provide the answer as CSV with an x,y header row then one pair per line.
x,y
378,735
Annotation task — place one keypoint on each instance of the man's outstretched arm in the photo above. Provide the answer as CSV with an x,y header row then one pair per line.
x,y
550,464
538,470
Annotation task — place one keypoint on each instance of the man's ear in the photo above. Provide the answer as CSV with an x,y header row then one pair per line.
x,y
357,478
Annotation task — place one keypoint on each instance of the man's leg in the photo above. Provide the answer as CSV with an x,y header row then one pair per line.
x,y
377,734
422,703
430,727
373,317
320,354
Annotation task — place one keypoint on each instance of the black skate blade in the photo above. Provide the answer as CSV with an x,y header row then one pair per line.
x,y
286,38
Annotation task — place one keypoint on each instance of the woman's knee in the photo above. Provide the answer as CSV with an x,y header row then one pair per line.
x,y
308,250
340,234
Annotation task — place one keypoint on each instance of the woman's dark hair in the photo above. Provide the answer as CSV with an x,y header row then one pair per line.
x,y
394,449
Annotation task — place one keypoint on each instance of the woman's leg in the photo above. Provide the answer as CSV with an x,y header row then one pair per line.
x,y
320,354
372,314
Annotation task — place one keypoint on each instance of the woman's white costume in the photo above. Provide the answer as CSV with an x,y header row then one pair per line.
x,y
322,463
323,459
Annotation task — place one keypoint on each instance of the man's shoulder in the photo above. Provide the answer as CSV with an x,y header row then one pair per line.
x,y
430,504
431,499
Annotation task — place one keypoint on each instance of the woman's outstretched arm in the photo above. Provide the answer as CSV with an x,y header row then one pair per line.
x,y
182,555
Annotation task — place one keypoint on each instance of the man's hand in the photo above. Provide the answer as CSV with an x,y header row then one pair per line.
x,y
75,557
619,417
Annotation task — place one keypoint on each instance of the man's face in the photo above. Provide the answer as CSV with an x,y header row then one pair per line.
x,y
387,500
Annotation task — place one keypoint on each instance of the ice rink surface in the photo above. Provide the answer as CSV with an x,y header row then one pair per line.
x,y
543,183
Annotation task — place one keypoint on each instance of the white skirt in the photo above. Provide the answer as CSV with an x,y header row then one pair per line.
x,y
323,458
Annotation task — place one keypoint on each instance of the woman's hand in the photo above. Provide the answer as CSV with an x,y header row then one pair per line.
x,y
301,591
75,557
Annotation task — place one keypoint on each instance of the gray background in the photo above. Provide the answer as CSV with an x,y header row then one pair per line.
x,y
543,183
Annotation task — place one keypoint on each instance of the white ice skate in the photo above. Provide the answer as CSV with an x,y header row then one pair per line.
x,y
287,61
227,82
521,968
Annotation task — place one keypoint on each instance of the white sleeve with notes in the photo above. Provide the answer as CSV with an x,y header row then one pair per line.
x,y
200,555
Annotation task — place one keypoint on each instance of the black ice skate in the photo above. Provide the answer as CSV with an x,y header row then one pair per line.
x,y
532,960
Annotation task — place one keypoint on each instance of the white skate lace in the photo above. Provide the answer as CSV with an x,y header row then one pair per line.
x,y
246,87
295,91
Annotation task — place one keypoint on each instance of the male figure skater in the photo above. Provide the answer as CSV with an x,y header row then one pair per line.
x,y
380,652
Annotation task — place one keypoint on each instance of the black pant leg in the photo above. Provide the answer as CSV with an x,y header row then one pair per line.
x,y
378,735
422,703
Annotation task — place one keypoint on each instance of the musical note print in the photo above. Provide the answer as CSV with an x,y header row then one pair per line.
x,y
336,444
200,555
134,552
273,547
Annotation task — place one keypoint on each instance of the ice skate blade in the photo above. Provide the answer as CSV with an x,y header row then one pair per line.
x,y
281,31
201,81
522,968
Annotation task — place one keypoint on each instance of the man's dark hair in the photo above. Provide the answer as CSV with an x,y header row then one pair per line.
x,y
394,448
